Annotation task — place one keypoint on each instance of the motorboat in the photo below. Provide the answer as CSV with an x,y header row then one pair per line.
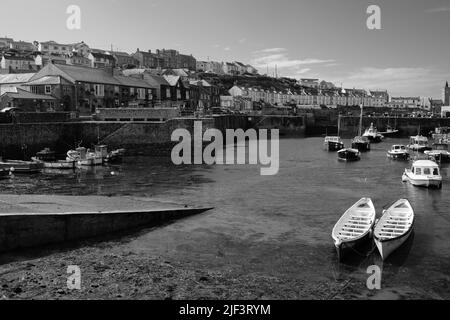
x,y
419,143
423,173
333,143
373,135
439,153
349,154
394,228
441,134
361,143
398,152
354,227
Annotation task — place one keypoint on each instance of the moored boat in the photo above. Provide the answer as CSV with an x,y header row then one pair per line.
x,y
423,173
354,227
439,153
333,143
394,228
48,160
360,143
419,143
373,135
398,152
349,154
115,156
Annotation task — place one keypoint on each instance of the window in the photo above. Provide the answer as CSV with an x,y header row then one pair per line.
x,y
141,94
168,93
48,89
131,91
116,89
34,89
418,171
99,90
427,171
435,171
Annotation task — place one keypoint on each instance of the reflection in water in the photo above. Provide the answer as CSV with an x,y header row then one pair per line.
x,y
276,225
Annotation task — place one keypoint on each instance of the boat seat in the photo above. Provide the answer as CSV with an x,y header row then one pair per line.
x,y
352,230
356,226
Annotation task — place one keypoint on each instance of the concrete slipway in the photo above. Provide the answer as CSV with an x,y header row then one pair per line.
x,y
36,220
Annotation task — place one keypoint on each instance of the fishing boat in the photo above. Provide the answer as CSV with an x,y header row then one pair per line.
x,y
423,173
419,143
333,143
439,153
21,167
354,227
398,152
361,143
373,135
46,155
84,157
394,227
349,154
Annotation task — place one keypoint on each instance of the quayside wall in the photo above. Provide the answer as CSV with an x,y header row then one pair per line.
x,y
23,140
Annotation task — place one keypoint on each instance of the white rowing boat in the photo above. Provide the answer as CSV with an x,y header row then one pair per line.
x,y
394,227
355,226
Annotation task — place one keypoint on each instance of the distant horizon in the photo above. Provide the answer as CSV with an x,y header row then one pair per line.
x,y
302,39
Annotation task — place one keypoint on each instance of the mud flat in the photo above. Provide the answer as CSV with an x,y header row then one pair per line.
x,y
36,220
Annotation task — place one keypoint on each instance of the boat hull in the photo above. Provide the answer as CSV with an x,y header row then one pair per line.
x,y
333,146
361,146
375,139
346,249
398,155
387,247
426,183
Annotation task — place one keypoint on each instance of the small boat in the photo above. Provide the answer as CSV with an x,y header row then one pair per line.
x,y
354,227
419,143
373,135
360,143
423,173
389,131
21,167
442,134
394,227
46,155
48,160
115,156
398,152
349,154
439,153
333,143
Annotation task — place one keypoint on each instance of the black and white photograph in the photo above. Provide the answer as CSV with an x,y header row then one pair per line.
x,y
251,151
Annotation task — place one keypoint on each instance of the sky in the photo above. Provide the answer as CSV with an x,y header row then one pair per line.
x,y
324,39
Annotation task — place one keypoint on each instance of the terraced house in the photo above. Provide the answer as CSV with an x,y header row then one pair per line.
x,y
86,89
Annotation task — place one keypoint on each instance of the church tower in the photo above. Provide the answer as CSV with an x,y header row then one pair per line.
x,y
446,95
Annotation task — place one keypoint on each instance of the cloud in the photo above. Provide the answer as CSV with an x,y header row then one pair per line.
x,y
412,81
243,40
280,58
438,9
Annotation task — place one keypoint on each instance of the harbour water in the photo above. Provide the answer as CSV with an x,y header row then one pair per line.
x,y
278,227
